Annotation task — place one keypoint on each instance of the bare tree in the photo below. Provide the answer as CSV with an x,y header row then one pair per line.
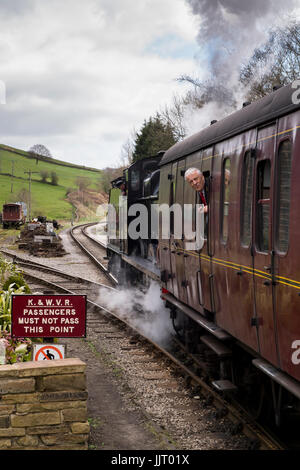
x,y
22,195
276,62
173,115
82,182
39,150
206,91
127,149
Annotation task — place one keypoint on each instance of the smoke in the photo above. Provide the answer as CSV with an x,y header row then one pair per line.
x,y
145,311
229,31
196,120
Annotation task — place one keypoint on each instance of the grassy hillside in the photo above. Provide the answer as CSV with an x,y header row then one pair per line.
x,y
47,199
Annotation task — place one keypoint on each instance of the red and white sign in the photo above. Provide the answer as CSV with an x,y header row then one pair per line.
x,y
48,316
48,352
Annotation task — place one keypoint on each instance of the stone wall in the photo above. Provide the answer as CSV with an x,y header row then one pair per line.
x,y
43,405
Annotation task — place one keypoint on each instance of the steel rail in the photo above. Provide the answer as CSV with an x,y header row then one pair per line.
x,y
97,242
42,267
90,255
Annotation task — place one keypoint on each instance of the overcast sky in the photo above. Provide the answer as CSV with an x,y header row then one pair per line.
x,y
81,75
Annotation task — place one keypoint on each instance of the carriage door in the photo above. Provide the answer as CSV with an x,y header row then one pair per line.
x,y
192,254
165,189
173,226
207,252
177,245
263,254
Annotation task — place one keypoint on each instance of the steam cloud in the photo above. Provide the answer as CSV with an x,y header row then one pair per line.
x,y
233,28
229,31
152,318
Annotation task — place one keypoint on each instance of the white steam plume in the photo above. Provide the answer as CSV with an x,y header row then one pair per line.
x,y
144,311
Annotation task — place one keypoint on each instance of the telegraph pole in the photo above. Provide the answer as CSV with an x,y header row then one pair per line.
x,y
12,177
29,173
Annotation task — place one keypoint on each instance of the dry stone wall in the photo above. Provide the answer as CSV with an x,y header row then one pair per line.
x,y
43,405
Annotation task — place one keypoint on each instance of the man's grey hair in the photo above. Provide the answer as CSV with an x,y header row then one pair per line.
x,y
190,171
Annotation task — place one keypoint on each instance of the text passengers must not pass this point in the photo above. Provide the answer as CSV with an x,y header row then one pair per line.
x,y
49,316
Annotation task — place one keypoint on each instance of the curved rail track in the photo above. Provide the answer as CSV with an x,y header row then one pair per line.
x,y
92,249
59,281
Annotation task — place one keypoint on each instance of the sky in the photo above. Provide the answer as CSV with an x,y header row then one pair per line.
x,y
80,77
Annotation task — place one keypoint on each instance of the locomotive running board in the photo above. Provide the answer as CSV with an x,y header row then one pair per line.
x,y
280,377
198,318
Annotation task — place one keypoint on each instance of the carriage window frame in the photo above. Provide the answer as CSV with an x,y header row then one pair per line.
x,y
224,213
189,216
247,180
261,201
278,199
171,202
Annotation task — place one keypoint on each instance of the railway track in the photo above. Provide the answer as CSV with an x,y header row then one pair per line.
x,y
101,318
94,250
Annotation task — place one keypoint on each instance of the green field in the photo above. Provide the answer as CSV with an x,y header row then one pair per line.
x,y
47,199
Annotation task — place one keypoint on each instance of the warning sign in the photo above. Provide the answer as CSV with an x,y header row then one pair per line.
x,y
48,352
48,316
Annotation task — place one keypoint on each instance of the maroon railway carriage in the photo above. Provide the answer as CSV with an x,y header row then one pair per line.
x,y
244,284
13,215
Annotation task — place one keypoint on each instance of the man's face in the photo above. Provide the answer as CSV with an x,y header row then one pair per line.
x,y
196,180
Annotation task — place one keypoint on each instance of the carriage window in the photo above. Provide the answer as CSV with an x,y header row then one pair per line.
x,y
246,206
283,203
225,198
135,180
263,204
171,202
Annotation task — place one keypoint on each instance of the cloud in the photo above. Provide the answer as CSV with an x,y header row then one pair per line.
x,y
15,7
80,72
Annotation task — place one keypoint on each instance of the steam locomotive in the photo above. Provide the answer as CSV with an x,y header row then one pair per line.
x,y
236,301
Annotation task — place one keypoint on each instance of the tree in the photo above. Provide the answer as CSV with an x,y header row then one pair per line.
x,y
276,62
206,91
83,182
127,150
44,175
104,181
154,136
54,178
22,195
173,115
39,150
